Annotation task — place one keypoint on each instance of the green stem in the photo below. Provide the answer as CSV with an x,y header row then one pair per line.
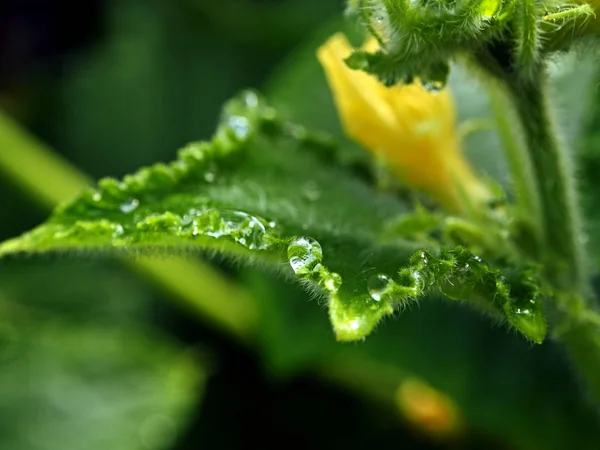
x,y
527,195
563,255
576,318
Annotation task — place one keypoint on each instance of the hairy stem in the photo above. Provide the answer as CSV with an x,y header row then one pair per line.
x,y
521,169
563,255
576,316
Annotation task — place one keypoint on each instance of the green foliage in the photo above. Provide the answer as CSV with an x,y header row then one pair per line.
x,y
84,376
247,194
250,192
419,39
266,190
218,196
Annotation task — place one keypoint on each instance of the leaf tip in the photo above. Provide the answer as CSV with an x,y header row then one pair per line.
x,y
355,321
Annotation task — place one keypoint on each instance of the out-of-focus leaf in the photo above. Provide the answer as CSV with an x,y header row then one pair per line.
x,y
265,25
167,66
79,292
153,82
589,168
69,386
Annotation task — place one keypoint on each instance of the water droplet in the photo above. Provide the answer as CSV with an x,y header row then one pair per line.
x,y
525,310
433,86
528,317
240,126
379,18
459,285
129,205
243,228
250,99
272,224
188,218
118,230
304,255
456,290
97,196
377,285
420,260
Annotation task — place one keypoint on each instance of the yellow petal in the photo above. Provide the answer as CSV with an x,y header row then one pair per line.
x,y
408,127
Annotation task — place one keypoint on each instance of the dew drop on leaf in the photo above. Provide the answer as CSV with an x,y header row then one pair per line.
x,y
377,285
244,228
528,317
459,285
129,206
421,259
250,99
240,126
241,227
433,86
523,309
304,255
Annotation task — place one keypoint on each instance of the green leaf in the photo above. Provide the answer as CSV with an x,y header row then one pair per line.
x,y
262,190
498,381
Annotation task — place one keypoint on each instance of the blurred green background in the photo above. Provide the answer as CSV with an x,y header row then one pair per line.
x,y
98,354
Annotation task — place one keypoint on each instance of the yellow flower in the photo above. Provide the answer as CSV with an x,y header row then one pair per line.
x,y
409,128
